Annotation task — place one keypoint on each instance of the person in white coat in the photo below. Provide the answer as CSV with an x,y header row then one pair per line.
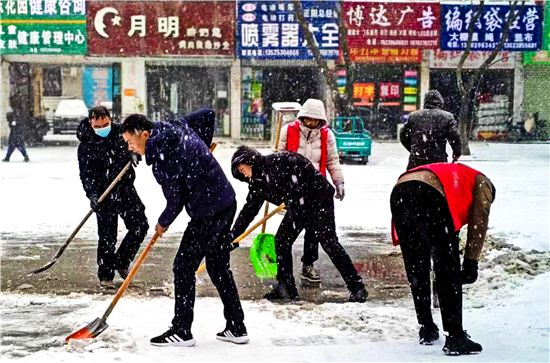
x,y
311,137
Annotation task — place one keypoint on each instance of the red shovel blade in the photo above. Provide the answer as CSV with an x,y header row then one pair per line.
x,y
91,330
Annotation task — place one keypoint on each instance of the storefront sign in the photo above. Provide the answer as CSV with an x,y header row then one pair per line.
x,y
389,90
525,31
542,57
546,28
43,27
364,92
270,30
409,108
161,28
409,99
410,90
450,59
385,55
392,24
98,86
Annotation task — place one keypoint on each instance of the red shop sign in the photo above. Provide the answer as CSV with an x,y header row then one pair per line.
x,y
389,90
385,55
392,25
160,28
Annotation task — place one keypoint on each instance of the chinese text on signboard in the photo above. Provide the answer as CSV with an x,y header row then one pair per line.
x,y
169,27
43,27
270,30
525,30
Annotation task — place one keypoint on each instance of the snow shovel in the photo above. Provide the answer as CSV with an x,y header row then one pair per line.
x,y
250,230
97,326
262,253
69,240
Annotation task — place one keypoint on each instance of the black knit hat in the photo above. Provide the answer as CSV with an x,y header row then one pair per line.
x,y
247,156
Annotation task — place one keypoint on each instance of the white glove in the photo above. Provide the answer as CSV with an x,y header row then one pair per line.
x,y
340,192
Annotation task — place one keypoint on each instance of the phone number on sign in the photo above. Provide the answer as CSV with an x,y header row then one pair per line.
x,y
286,52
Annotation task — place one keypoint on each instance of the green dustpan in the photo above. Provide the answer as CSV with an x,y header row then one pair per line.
x,y
263,256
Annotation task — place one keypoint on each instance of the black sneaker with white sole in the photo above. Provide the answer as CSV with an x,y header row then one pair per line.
x,y
428,334
234,334
461,344
174,338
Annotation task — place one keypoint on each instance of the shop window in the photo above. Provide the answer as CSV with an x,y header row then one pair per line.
x,y
53,81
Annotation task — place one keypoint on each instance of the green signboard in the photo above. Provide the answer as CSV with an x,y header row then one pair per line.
x,y
546,28
542,57
409,99
43,27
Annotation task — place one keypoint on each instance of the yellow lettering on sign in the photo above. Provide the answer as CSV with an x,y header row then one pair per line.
x,y
410,90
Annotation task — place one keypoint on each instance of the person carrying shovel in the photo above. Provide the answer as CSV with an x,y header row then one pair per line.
x,y
291,178
191,178
311,137
102,154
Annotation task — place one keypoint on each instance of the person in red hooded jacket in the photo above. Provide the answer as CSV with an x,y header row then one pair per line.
x,y
430,204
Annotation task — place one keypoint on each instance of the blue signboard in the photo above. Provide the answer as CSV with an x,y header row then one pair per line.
x,y
98,86
525,32
270,30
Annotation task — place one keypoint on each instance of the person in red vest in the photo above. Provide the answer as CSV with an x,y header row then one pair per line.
x,y
430,204
311,137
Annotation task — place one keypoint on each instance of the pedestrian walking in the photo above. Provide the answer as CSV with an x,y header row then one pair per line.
x,y
16,121
426,133
311,137
430,204
291,178
191,178
102,154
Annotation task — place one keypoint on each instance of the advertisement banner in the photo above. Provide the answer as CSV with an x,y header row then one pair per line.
x,y
43,27
542,57
385,55
546,28
392,25
525,32
161,28
270,30
98,86
450,59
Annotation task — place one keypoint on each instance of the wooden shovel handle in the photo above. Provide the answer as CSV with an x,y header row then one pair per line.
x,y
248,231
131,275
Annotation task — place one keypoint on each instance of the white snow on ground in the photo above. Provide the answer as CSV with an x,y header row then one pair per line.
x,y
512,329
507,310
45,196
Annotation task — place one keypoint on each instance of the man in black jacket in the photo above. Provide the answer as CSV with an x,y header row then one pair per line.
x,y
102,154
427,131
191,178
16,120
291,178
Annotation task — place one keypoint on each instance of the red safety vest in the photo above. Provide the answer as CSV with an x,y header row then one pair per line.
x,y
458,182
293,143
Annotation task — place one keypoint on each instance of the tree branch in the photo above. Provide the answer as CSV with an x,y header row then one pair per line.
x,y
466,52
321,62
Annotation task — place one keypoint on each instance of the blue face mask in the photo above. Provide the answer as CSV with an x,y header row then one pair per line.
x,y
104,132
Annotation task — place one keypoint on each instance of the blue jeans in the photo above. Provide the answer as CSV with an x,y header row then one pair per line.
x,y
11,149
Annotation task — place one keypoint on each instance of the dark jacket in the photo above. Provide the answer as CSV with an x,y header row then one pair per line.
x,y
16,121
282,177
201,121
188,173
427,131
101,159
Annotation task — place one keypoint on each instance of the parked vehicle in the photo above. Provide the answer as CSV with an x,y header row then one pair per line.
x,y
352,140
531,128
68,115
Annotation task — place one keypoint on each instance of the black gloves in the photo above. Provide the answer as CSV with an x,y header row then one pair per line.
x,y
94,204
234,246
136,158
469,271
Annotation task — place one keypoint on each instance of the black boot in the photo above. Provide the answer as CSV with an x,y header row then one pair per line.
x,y
359,296
428,334
456,345
282,292
6,160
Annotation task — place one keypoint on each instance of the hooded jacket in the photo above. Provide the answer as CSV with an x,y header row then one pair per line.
x,y
427,131
188,173
310,147
282,177
101,159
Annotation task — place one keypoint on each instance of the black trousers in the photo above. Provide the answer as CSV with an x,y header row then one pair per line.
x,y
311,248
20,147
206,237
318,220
132,211
425,229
